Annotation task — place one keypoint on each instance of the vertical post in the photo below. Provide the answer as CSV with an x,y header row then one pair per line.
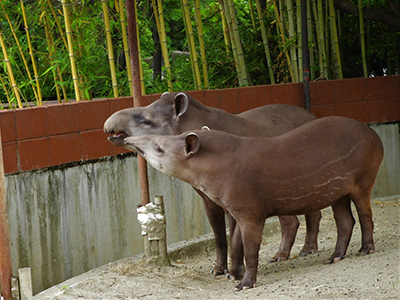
x,y
137,93
25,283
306,60
162,242
5,252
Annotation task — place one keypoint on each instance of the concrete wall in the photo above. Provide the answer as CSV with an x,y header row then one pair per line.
x,y
388,180
67,220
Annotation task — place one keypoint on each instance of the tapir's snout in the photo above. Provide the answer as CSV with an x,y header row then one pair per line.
x,y
112,126
129,143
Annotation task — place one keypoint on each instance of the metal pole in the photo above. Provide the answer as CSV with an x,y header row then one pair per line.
x,y
5,252
137,93
306,58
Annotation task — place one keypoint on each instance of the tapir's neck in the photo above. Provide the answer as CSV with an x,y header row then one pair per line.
x,y
200,115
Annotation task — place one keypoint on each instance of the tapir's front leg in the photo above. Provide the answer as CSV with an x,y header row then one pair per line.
x,y
216,217
251,237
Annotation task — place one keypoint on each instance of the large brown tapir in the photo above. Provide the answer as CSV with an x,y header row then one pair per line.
x,y
175,113
326,162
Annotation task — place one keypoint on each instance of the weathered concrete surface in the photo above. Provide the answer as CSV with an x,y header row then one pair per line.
x,y
388,180
68,220
64,222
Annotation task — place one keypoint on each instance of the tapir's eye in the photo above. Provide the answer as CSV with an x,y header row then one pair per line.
x,y
146,122
159,149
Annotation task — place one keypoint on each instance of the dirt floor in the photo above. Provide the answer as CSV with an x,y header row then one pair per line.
x,y
374,276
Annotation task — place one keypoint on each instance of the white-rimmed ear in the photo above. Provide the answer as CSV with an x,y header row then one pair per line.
x,y
181,104
163,94
205,128
192,143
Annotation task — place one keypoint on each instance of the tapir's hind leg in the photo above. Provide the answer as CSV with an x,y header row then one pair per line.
x,y
364,211
311,242
289,226
236,270
344,223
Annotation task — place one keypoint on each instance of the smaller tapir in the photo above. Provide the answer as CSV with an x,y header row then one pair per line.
x,y
326,162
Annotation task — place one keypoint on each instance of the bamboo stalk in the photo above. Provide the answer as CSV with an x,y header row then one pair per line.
x,y
6,92
60,30
139,55
362,35
299,40
311,40
201,42
282,33
252,14
164,44
50,44
75,77
265,42
321,39
335,39
10,72
293,54
225,28
240,54
35,72
110,49
327,33
191,43
28,72
122,20
227,13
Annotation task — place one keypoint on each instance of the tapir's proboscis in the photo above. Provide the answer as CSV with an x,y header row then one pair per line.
x,y
327,162
175,113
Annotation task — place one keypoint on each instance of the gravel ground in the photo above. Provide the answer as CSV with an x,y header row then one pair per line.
x,y
374,276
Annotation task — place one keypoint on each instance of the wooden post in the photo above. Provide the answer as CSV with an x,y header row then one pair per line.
x,y
162,242
25,283
5,252
15,288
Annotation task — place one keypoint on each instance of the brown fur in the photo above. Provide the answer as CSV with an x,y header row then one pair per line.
x,y
327,162
175,113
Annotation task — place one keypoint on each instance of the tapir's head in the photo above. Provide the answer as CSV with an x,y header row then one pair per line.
x,y
162,117
168,154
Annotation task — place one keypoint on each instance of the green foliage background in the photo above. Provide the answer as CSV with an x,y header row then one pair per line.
x,y
92,59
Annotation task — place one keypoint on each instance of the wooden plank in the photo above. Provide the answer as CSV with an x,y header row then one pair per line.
x,y
25,283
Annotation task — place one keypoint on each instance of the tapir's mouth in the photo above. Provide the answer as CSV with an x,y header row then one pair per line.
x,y
140,151
118,139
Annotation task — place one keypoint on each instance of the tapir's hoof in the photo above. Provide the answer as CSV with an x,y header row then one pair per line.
x,y
230,277
366,251
305,252
281,255
244,287
218,272
333,260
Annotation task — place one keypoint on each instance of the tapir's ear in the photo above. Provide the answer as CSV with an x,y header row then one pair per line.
x,y
181,104
192,143
163,94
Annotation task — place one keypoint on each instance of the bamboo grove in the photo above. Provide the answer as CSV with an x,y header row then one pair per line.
x,y
78,50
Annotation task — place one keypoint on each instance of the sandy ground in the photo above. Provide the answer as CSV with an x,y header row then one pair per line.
x,y
374,276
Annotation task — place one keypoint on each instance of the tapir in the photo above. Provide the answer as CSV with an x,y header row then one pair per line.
x,y
327,162
175,113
